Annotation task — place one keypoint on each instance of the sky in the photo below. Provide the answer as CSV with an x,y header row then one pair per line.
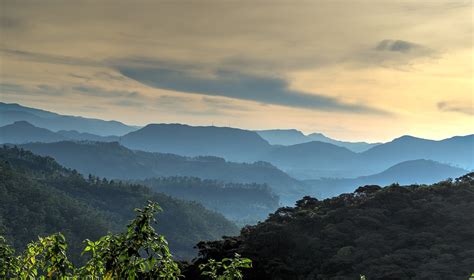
x,y
353,70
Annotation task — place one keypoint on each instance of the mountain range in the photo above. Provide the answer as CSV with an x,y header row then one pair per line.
x,y
419,171
318,159
114,161
229,143
303,161
23,132
288,137
10,113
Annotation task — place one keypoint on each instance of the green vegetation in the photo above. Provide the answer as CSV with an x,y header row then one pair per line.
x,y
138,253
38,197
114,161
396,232
411,232
228,268
240,203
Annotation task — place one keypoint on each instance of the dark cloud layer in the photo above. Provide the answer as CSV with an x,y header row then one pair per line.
x,y
270,90
188,79
458,107
397,46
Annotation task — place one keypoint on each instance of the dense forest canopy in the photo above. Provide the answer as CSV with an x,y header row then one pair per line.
x,y
396,232
241,203
40,197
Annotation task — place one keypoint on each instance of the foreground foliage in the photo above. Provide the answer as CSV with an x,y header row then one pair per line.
x,y
411,232
138,253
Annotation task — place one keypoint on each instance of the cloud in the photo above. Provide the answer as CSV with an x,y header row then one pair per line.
x,y
130,103
27,90
11,88
170,100
388,53
458,107
223,104
49,58
101,92
397,46
233,84
10,22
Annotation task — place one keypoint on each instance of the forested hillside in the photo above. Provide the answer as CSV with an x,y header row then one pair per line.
x,y
410,232
241,203
40,197
111,160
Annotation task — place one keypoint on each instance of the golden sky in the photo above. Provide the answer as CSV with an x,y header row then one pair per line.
x,y
355,70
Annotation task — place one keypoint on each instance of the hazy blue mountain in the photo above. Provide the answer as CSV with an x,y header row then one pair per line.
x,y
317,159
353,146
229,143
111,160
10,113
84,136
288,137
309,160
22,132
458,151
419,171
316,154
284,137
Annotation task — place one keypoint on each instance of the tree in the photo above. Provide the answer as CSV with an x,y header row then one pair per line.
x,y
138,253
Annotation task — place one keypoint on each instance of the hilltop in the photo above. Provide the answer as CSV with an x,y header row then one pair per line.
x,y
410,232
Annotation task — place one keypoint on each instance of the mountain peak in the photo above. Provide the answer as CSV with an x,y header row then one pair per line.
x,y
406,138
22,124
189,140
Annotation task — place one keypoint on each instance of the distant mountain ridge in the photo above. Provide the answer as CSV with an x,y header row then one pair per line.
x,y
10,113
322,158
84,136
317,159
22,132
231,143
283,137
419,171
357,147
309,160
458,150
288,137
114,161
